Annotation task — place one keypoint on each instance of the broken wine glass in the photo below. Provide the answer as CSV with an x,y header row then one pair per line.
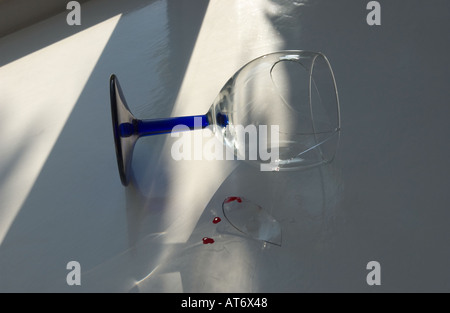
x,y
291,92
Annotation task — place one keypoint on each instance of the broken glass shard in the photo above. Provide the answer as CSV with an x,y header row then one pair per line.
x,y
252,220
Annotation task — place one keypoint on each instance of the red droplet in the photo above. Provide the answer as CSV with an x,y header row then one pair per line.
x,y
216,220
207,240
230,199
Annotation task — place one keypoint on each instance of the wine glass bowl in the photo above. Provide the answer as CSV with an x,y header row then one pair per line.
x,y
293,90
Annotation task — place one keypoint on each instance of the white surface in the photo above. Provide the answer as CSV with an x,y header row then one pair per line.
x,y
384,198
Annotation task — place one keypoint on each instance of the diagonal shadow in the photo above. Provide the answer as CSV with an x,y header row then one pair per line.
x,y
75,209
28,42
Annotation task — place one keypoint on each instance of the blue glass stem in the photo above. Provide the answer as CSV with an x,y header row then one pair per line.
x,y
142,128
